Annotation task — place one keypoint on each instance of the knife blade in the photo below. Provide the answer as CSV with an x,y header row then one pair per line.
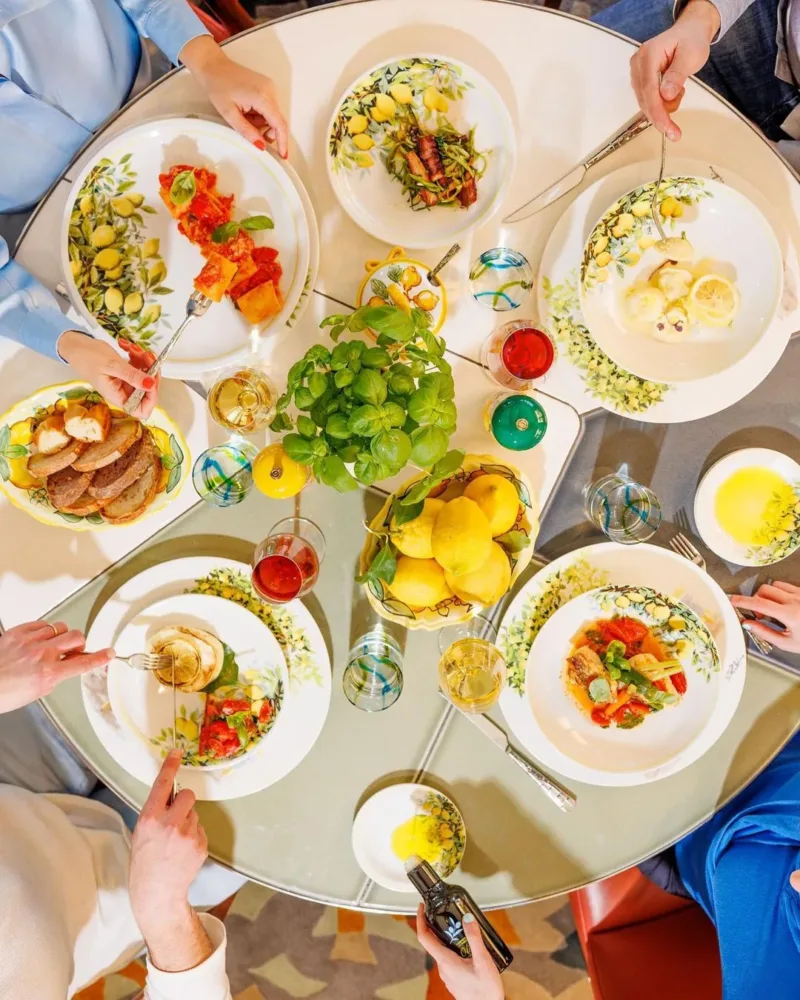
x,y
557,793
630,130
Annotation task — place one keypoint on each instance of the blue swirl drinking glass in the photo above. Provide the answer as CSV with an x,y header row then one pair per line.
x,y
223,475
501,279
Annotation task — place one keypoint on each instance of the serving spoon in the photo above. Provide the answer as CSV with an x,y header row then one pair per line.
x,y
676,248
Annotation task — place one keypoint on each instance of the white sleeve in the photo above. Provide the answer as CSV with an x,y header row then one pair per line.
x,y
207,981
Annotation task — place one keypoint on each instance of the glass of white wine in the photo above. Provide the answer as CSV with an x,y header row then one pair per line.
x,y
243,400
472,670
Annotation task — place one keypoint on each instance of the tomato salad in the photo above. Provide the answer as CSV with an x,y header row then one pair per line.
x,y
235,718
618,673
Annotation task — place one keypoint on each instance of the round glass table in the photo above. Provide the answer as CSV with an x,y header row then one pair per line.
x,y
295,836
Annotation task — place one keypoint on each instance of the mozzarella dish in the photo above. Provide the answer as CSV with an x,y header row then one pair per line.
x,y
248,274
618,673
674,299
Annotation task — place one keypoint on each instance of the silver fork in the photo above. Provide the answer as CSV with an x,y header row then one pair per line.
x,y
148,661
681,544
196,307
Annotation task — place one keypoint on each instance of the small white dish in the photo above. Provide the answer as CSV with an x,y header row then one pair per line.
x,y
729,235
144,706
377,202
386,811
785,539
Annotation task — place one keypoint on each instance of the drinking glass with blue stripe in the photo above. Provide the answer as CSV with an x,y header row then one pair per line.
x,y
624,510
373,677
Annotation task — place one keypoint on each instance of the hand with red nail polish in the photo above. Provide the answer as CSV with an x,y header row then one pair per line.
x,y
107,370
244,98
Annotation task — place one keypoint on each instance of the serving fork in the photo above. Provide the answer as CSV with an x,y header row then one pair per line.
x,y
196,307
148,661
680,543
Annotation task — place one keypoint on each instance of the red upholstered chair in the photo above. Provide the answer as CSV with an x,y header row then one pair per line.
x,y
641,942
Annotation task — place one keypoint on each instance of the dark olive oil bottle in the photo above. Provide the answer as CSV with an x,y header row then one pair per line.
x,y
445,907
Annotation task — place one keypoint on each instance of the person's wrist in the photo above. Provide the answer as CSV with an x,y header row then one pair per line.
x,y
202,56
67,342
706,14
156,918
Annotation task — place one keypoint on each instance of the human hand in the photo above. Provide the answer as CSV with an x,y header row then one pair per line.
x,y
168,849
780,601
35,657
244,98
113,377
676,54
473,978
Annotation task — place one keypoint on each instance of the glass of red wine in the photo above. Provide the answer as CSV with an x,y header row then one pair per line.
x,y
517,355
286,564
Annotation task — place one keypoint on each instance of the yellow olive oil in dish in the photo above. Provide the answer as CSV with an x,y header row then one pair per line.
x,y
749,501
421,835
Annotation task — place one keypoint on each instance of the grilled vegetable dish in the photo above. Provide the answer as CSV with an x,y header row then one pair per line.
x,y
618,673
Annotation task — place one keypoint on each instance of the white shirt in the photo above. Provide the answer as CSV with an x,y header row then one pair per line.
x,y
65,915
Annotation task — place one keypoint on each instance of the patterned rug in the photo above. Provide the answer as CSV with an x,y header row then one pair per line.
x,y
281,948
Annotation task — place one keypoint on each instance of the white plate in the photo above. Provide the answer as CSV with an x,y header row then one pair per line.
x,y
169,439
583,368
261,182
379,817
729,236
144,705
564,731
377,202
608,564
298,635
786,540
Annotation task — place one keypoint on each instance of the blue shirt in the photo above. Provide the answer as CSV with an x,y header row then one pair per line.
x,y
737,867
65,67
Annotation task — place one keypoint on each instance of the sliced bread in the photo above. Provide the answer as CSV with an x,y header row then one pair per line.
x,y
87,423
113,479
135,500
40,466
122,436
84,505
66,486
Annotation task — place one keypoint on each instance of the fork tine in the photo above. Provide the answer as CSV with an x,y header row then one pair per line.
x,y
690,546
676,545
683,548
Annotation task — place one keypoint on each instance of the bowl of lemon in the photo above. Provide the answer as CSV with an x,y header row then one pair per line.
x,y
690,306
747,507
462,550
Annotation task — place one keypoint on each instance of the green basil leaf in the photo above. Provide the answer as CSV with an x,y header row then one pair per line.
x,y
383,567
365,421
303,398
442,385
451,463
337,319
418,491
401,383
306,427
349,453
183,188
298,448
319,448
333,472
340,357
389,320
369,387
280,423
429,445
446,415
376,357
343,378
403,513
319,354
422,405
317,384
391,447
337,427
225,232
417,368
393,415
256,223
366,469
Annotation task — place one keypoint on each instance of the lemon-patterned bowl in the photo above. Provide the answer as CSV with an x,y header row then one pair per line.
x,y
451,610
401,281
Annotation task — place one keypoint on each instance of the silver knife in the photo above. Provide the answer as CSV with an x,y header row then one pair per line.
x,y
563,797
630,130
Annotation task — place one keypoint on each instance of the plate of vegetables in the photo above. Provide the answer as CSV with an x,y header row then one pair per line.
x,y
612,682
420,150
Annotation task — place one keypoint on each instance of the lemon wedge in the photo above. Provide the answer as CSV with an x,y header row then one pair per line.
x,y
714,300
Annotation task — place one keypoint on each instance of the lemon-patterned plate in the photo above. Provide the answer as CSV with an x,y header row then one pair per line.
x,y
400,280
16,432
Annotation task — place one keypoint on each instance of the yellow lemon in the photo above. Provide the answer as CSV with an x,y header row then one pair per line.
x,y
425,300
277,475
21,433
713,300
135,198
402,93
108,259
150,247
357,124
86,204
603,259
133,303
414,537
187,729
385,105
461,537
363,142
103,236
123,207
419,583
75,268
364,160
497,498
113,300
485,585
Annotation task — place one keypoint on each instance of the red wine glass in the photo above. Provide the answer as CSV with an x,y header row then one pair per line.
x,y
286,564
517,355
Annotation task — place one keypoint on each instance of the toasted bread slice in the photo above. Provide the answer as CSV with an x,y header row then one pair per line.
x,y
84,505
41,466
66,486
113,479
90,424
51,436
135,500
123,435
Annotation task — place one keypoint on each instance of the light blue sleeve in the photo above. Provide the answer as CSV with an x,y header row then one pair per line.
x,y
29,314
169,23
